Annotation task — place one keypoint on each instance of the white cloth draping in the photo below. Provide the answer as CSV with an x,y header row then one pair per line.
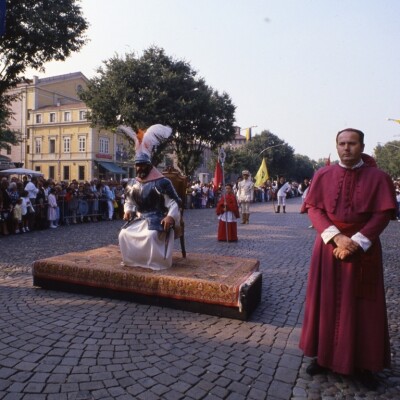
x,y
141,247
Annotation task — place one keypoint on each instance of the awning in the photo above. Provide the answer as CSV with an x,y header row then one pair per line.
x,y
113,168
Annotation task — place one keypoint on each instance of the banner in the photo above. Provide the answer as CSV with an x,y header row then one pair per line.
x,y
328,161
262,174
217,176
248,134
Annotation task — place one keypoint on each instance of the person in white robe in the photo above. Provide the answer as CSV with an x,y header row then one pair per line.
x,y
245,195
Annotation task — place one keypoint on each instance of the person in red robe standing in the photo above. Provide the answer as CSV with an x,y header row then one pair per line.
x,y
227,211
345,324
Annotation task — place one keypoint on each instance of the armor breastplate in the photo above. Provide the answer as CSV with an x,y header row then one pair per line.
x,y
149,199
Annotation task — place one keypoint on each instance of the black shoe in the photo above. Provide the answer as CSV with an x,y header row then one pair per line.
x,y
367,379
315,369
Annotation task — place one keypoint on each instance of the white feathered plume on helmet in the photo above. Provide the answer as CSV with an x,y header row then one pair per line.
x,y
145,141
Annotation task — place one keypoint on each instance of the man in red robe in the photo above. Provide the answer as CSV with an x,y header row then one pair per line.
x,y
345,323
227,211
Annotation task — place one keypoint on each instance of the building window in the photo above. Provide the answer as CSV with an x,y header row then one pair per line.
x,y
67,116
52,117
52,146
28,133
38,118
66,172
82,144
38,146
81,173
52,172
82,115
8,150
37,168
104,145
67,145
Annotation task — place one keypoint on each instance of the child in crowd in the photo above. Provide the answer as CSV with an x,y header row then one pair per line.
x,y
27,210
17,216
52,208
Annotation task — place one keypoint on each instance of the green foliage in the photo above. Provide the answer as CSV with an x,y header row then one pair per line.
x,y
38,31
7,136
279,156
140,91
388,158
303,167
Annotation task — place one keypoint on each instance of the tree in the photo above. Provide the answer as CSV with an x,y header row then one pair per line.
x,y
303,167
140,91
7,137
278,154
388,158
210,124
37,31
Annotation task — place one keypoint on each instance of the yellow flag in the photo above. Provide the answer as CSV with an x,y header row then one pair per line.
x,y
262,174
248,134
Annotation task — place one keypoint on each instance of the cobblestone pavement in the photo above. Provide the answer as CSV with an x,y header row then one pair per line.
x,y
56,345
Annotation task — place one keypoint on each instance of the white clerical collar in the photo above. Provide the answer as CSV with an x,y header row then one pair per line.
x,y
358,165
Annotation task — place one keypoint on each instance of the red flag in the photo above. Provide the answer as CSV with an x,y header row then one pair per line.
x,y
328,160
217,176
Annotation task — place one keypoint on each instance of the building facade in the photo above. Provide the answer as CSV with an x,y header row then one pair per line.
x,y
58,140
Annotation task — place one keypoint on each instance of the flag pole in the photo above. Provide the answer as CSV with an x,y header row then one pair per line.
x,y
273,200
221,158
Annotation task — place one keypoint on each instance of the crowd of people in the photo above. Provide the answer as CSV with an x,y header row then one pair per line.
x,y
206,195
36,203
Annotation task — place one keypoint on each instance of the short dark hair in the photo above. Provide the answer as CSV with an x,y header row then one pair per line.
x,y
359,133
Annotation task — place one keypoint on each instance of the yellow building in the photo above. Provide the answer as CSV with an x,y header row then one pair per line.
x,y
58,140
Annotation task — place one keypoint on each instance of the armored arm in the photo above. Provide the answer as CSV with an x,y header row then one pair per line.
x,y
165,187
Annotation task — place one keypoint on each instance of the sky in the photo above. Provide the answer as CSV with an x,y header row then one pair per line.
x,y
302,69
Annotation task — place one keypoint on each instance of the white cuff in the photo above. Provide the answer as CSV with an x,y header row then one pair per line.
x,y
362,241
329,233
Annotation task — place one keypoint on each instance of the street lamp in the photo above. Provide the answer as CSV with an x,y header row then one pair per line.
x,y
270,147
249,127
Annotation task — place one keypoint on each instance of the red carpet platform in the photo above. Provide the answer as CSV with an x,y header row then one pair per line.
x,y
204,283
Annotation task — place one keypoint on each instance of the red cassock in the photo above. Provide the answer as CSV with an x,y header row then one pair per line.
x,y
345,322
227,211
